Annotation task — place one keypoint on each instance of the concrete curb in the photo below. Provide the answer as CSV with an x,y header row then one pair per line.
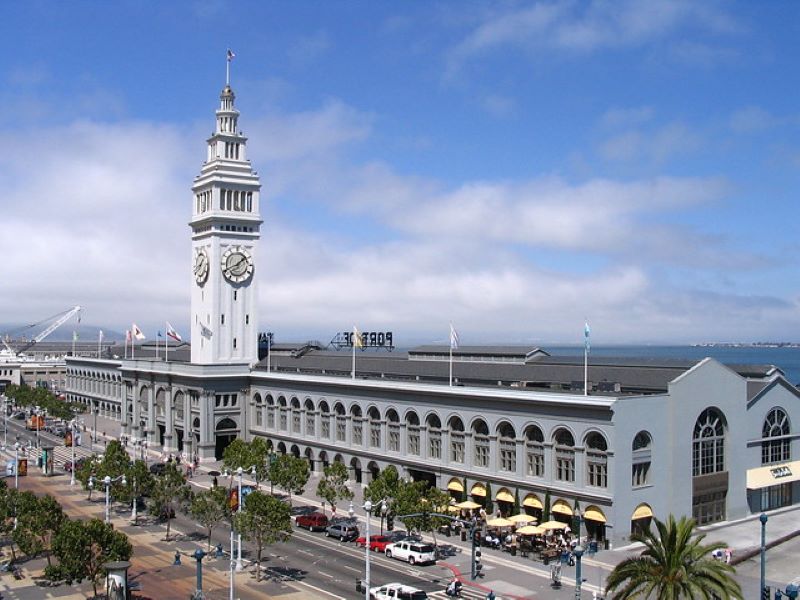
x,y
749,553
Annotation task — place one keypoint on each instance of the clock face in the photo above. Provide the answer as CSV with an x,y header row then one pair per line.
x,y
201,267
237,265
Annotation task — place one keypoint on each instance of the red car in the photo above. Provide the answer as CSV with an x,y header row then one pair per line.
x,y
378,543
312,521
362,540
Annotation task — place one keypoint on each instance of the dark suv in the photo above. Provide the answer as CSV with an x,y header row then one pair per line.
x,y
346,532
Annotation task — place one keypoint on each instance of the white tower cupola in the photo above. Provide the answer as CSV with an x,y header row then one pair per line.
x,y
225,232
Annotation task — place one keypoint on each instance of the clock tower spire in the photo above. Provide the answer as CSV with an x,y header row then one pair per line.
x,y
225,232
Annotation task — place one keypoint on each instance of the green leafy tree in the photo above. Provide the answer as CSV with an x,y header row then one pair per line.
x,y
139,482
675,564
114,463
290,473
425,502
265,520
259,453
210,507
82,547
8,503
333,485
384,486
88,469
38,520
170,492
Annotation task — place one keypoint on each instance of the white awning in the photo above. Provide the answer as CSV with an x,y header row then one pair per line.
x,y
773,475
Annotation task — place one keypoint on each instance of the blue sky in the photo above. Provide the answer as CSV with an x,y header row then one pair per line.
x,y
512,167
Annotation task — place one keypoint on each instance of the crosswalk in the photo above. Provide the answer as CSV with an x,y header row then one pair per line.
x,y
467,593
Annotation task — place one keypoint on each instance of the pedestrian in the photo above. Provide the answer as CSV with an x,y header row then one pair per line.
x,y
490,595
214,483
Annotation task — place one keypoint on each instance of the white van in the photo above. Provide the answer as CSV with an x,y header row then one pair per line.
x,y
396,591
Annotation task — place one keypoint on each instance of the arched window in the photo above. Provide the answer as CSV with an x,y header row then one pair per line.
x,y
708,443
640,459
357,425
775,447
310,417
393,427
270,412
341,422
282,413
534,452
325,420
434,437
508,447
412,432
258,409
456,426
480,434
596,460
296,418
374,427
565,455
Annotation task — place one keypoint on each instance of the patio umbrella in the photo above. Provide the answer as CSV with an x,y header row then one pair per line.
x,y
468,504
522,518
530,530
214,473
499,522
553,525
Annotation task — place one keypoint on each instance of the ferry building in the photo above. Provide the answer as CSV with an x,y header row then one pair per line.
x,y
647,438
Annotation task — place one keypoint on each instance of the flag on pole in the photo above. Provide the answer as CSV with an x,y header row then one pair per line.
x,y
453,337
357,341
100,335
231,55
172,333
136,332
586,332
74,336
128,336
159,334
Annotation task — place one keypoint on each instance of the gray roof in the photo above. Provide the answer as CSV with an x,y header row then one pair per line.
x,y
553,373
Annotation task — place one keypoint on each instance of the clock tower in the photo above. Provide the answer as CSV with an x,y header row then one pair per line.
x,y
225,231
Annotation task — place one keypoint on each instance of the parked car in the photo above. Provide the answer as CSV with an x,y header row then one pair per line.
x,y
362,540
397,591
412,552
312,521
346,532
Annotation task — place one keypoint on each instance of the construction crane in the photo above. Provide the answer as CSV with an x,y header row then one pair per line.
x,y
57,321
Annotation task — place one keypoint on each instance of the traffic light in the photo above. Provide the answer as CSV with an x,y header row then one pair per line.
x,y
478,566
765,593
390,521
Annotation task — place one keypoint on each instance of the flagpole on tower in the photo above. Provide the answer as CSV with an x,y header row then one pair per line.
x,y
229,58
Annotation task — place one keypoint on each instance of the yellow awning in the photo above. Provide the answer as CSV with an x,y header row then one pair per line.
x,y
455,485
773,475
592,513
478,490
643,511
561,507
503,495
532,501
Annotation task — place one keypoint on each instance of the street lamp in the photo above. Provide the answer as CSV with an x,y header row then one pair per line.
x,y
107,481
16,464
368,509
578,580
198,556
239,503
72,473
763,519
134,513
5,427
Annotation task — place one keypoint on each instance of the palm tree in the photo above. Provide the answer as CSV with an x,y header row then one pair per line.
x,y
675,564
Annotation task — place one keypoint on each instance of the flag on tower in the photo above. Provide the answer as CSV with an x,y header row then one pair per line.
x,y
136,332
128,336
231,55
453,337
172,333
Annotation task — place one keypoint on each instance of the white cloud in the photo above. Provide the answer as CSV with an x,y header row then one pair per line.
x,y
657,146
95,214
589,26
